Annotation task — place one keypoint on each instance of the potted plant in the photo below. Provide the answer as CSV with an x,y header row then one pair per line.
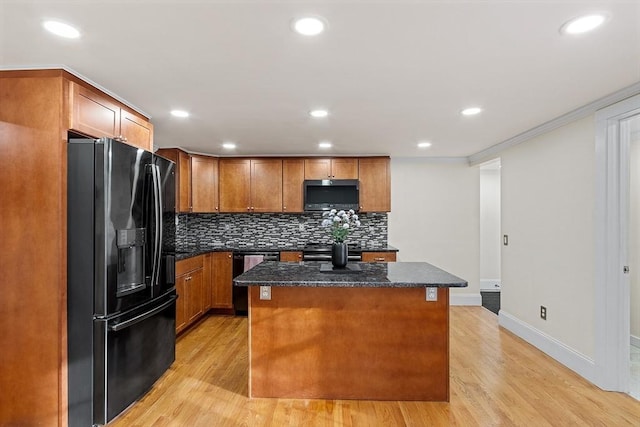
x,y
340,223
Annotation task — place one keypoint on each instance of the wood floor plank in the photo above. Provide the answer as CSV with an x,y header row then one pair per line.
x,y
496,379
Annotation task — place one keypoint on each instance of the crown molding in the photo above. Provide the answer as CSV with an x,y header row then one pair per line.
x,y
577,114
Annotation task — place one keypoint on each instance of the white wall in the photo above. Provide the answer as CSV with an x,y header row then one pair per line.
x,y
634,237
548,201
435,218
490,239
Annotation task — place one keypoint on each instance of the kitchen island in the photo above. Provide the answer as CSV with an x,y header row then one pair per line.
x,y
378,331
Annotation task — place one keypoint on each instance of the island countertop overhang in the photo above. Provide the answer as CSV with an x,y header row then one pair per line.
x,y
371,275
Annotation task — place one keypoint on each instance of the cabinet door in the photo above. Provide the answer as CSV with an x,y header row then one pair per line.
x,y
375,185
266,185
292,180
207,281
235,185
290,256
317,168
222,280
93,114
183,182
204,184
136,131
181,303
378,256
344,168
194,285
183,176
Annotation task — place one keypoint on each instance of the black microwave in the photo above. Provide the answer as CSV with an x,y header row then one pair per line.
x,y
327,194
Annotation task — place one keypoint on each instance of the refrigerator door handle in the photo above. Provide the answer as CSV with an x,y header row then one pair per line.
x,y
137,319
157,208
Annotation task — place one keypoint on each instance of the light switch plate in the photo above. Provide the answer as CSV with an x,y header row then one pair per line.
x,y
265,293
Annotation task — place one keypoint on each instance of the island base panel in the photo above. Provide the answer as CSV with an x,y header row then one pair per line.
x,y
349,343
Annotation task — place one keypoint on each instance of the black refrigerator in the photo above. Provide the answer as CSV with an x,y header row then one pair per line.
x,y
120,274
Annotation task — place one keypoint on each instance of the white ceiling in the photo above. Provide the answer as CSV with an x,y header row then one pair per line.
x,y
392,73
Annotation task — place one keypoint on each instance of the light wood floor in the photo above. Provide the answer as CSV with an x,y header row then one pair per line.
x,y
496,379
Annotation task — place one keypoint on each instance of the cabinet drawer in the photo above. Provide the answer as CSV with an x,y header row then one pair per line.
x,y
378,256
189,264
290,256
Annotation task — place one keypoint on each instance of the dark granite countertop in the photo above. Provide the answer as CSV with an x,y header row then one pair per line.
x,y
381,275
184,253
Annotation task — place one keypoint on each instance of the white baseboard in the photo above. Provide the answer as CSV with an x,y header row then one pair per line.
x,y
570,358
465,299
635,341
490,284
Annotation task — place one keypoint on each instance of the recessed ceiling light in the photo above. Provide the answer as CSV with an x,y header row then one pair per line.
x,y
471,111
325,144
424,144
179,113
318,113
228,145
583,24
61,29
308,26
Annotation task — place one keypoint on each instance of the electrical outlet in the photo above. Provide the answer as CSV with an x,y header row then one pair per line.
x,y
432,294
265,293
543,312
301,227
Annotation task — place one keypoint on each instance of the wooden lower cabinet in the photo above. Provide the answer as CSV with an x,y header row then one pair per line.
x,y
190,290
378,256
291,256
222,280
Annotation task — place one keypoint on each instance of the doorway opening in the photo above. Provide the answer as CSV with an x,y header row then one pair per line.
x,y
632,126
617,245
490,241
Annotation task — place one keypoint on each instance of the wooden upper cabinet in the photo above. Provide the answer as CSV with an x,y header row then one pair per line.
x,y
98,115
250,185
344,168
204,184
266,185
317,168
136,131
93,114
184,182
292,181
183,177
338,168
375,184
235,185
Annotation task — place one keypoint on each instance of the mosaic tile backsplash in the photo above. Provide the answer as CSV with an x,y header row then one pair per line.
x,y
271,230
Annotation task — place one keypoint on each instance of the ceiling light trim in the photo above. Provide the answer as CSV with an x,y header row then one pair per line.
x,y
315,24
569,27
319,113
61,29
471,111
181,114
